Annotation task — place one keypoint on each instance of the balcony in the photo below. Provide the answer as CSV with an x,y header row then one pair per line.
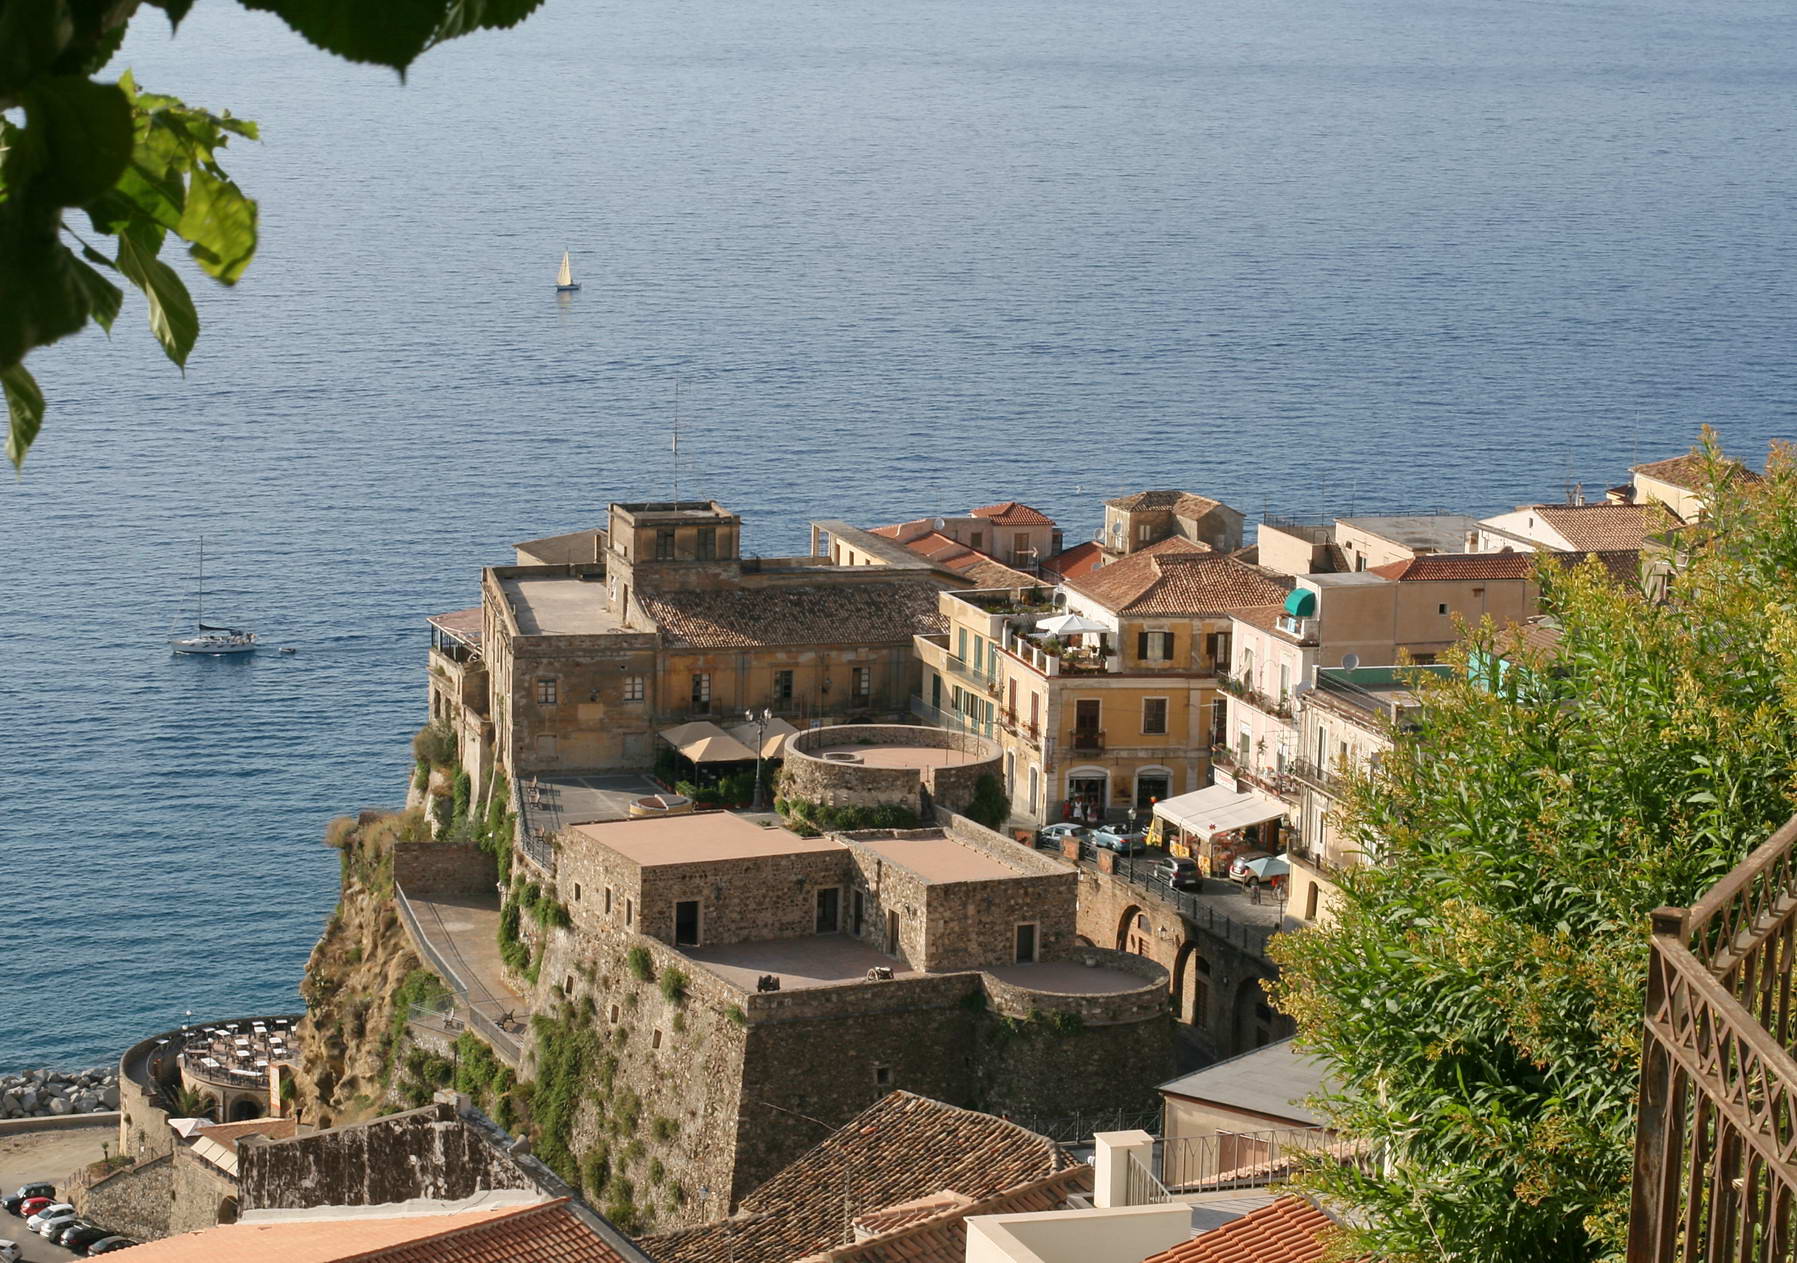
x,y
955,721
1322,779
1086,741
1239,688
984,680
1715,1175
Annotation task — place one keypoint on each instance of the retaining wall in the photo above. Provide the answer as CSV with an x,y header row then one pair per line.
x,y
807,775
440,868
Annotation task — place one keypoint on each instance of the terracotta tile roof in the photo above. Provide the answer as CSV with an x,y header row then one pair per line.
x,y
228,1134
900,1148
1014,513
1432,566
904,1214
543,1233
1597,526
1080,559
1265,617
800,614
1291,1230
1189,505
1178,582
1688,471
1173,544
1146,500
982,568
941,1237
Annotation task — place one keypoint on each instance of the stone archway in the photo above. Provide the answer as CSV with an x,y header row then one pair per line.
x,y
245,1108
227,1211
1189,987
1253,1020
1129,932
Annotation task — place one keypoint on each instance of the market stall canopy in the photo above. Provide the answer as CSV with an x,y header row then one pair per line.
x,y
704,742
773,743
1218,809
1070,625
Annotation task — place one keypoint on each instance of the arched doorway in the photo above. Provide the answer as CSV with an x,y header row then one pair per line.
x,y
1153,784
1134,934
245,1108
227,1211
1089,787
1191,985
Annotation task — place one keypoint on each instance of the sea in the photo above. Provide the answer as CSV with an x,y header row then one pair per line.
x,y
875,260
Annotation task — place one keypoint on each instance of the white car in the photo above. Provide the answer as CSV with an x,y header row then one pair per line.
x,y
9,1252
55,1222
58,1209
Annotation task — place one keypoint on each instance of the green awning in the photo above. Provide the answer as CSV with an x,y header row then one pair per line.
x,y
1301,603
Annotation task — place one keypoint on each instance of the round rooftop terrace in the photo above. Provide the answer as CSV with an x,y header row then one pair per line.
x,y
866,765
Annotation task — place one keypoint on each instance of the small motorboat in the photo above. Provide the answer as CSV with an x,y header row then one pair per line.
x,y
288,649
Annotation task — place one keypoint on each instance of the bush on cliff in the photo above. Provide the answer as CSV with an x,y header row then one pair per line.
x,y
434,744
462,789
566,1049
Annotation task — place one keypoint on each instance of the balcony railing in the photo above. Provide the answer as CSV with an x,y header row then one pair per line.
x,y
1237,687
953,720
1328,780
1715,1176
1087,741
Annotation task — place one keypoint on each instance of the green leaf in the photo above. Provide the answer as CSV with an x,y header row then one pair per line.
x,y
219,224
176,10
103,298
24,411
475,15
392,33
85,132
43,300
172,316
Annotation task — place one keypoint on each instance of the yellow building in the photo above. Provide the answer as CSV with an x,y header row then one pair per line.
x,y
1103,693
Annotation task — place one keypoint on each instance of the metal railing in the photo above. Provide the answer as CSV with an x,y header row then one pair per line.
x,y
1715,1177
1194,906
538,849
484,1009
1086,741
1253,1159
1078,1129
954,721
1319,777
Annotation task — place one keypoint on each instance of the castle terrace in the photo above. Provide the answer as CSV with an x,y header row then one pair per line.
x,y
697,839
558,604
936,857
909,756
818,961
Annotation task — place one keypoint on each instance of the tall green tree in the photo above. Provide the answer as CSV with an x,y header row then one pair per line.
x,y
1480,989
99,175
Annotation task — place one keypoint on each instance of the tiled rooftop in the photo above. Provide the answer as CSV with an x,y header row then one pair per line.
x,y
1014,513
1178,582
901,1148
1078,560
1291,1230
934,1229
800,614
1688,471
1437,566
1597,526
542,1233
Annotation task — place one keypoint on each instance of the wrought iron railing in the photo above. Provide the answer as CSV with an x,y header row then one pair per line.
x,y
486,1013
1715,1176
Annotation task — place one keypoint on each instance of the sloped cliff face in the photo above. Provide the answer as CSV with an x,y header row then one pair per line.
x,y
354,978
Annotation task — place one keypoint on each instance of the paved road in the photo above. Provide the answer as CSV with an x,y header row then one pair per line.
x,y
46,1155
464,929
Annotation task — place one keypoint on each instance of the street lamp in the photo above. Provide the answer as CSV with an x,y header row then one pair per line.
x,y
761,722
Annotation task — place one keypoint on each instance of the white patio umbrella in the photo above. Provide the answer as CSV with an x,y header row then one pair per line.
x,y
1069,625
1268,867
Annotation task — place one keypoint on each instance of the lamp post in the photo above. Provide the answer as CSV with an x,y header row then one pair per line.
x,y
760,721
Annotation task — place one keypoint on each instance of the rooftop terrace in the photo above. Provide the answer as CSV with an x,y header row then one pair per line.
x,y
703,837
936,857
559,605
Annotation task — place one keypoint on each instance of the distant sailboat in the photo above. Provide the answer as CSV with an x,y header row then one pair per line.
x,y
564,279
210,639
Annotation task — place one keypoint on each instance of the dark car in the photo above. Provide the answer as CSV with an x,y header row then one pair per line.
x,y
1179,873
27,1192
59,1235
106,1245
78,1239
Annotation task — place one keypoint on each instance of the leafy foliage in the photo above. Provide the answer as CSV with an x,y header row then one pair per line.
x,y
141,167
641,967
434,744
674,983
989,805
566,1050
1479,989
808,818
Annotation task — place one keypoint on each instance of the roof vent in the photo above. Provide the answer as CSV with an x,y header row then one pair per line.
x,y
840,756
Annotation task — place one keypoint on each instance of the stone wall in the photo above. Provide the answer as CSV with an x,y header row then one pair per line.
x,y
134,1202
143,1125
438,868
806,775
423,1153
203,1194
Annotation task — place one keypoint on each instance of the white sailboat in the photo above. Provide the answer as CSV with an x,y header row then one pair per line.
x,y
564,279
210,639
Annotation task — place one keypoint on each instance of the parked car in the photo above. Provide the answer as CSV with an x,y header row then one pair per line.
x,y
9,1252
1239,870
55,1219
108,1244
26,1192
31,1205
1050,839
51,1210
1179,873
59,1235
1118,838
78,1239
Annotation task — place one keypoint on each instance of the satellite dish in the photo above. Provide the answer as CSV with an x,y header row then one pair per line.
x,y
1304,686
1350,661
937,524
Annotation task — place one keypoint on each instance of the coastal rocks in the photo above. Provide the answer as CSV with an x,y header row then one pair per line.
x,y
47,1093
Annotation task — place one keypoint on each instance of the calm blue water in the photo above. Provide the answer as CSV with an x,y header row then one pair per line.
x,y
903,258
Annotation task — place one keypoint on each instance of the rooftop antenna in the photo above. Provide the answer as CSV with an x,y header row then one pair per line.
x,y
676,444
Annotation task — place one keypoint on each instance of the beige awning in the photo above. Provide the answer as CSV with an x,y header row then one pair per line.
x,y
1218,809
704,742
773,744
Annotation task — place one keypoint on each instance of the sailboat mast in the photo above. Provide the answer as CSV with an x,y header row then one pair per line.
x,y
199,596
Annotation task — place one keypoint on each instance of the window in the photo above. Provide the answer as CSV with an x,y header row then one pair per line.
x,y
1442,608
633,688
1144,532
1154,715
1219,720
608,901
978,540
1310,902
614,1014
629,912
701,691
708,542
568,985
864,683
655,1039
1153,646
1285,680
961,643
1035,778
829,910
1142,922
576,892
546,692
783,686
1026,943
664,545
1035,709
882,1076
686,923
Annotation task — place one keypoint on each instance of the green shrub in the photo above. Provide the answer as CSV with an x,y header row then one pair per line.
x,y
664,1128
476,1067
461,790
565,1051
435,744
989,806
595,1170
638,961
735,1014
657,1172
674,983
421,778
